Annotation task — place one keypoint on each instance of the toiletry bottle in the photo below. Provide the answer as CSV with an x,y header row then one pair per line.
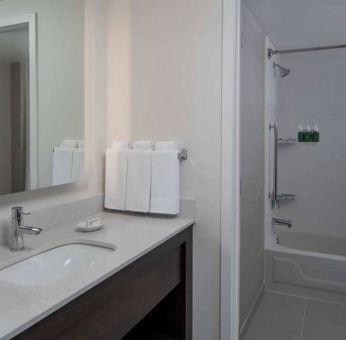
x,y
300,134
304,135
315,134
308,134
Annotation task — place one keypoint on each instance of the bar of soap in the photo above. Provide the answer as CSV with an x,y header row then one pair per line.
x,y
93,224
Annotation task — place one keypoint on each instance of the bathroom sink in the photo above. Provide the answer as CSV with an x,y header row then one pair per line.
x,y
55,264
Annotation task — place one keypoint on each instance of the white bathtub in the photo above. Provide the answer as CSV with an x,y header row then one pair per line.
x,y
307,264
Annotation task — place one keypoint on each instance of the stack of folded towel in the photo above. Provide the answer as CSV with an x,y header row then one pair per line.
x,y
143,177
68,162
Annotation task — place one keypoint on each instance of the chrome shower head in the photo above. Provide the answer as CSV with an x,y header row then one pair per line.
x,y
284,72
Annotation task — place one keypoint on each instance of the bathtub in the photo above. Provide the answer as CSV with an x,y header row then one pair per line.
x,y
307,264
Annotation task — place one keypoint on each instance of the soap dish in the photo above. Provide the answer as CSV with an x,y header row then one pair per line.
x,y
90,225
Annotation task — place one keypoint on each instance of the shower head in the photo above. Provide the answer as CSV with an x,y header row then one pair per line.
x,y
284,72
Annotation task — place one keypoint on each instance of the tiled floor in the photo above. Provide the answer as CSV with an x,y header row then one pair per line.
x,y
283,317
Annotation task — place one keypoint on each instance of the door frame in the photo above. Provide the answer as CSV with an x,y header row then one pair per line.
x,y
32,160
230,178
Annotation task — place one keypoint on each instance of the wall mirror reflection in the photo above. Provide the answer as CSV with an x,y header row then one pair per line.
x,y
41,94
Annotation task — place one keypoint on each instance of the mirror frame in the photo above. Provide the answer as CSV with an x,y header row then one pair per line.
x,y
31,21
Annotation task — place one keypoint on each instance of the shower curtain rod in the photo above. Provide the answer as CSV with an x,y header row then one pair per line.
x,y
272,52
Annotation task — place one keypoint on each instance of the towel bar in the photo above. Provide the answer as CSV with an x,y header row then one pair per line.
x,y
182,156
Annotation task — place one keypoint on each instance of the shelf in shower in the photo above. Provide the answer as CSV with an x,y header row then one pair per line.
x,y
286,197
309,143
287,141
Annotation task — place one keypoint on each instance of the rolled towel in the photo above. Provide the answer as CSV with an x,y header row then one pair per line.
x,y
118,145
143,145
69,143
139,177
166,146
116,176
62,165
165,179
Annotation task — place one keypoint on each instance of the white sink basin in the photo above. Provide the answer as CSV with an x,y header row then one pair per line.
x,y
55,264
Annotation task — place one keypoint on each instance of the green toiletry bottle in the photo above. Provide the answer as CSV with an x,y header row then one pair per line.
x,y
304,135
308,134
300,134
316,134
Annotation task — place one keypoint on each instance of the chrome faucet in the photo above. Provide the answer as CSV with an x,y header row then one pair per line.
x,y
279,221
18,229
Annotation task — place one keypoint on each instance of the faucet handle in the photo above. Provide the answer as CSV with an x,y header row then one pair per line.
x,y
18,212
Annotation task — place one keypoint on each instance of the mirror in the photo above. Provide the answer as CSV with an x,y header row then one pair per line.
x,y
41,94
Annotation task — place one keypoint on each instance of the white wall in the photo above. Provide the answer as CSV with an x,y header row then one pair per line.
x,y
314,93
60,73
164,82
5,128
252,162
95,123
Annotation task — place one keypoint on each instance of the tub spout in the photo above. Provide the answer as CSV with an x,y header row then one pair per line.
x,y
279,221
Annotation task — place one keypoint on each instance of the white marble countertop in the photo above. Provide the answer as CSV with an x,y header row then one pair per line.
x,y
23,306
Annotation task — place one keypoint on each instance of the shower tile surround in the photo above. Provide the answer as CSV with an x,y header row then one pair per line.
x,y
312,94
286,317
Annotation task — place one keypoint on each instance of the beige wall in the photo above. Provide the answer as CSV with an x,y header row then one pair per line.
x,y
95,124
164,82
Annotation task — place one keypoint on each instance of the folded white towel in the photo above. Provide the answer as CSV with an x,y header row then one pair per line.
x,y
138,177
165,179
62,165
116,176
69,143
78,165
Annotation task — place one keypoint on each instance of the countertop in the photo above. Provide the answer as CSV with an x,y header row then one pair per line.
x,y
22,306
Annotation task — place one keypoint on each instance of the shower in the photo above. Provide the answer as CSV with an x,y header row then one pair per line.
x,y
284,72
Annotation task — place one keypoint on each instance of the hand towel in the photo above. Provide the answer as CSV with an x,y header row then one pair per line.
x,y
78,166
62,165
69,143
165,179
116,176
138,177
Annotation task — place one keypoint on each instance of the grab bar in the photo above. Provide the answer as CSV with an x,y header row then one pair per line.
x,y
275,197
274,193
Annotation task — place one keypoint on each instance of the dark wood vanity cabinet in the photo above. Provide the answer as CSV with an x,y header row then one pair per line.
x,y
149,299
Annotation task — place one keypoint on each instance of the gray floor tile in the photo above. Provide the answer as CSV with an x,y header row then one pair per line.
x,y
280,313
325,321
261,334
